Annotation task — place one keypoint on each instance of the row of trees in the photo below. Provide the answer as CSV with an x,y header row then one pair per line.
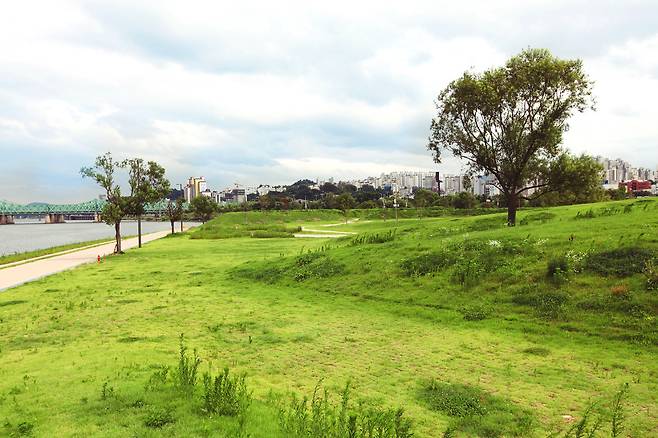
x,y
147,183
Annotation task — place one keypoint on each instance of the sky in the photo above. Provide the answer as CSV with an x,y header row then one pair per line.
x,y
271,92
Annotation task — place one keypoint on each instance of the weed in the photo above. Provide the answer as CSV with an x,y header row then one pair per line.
x,y
476,312
467,273
475,412
225,395
618,416
319,417
427,263
620,290
158,378
364,239
186,374
537,351
651,274
548,304
558,270
620,262
107,391
158,418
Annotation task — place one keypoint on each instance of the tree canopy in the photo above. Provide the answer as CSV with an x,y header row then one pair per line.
x,y
509,121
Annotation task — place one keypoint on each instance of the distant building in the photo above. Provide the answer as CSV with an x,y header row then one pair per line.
x,y
636,186
196,186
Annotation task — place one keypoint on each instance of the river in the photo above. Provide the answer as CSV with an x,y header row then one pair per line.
x,y
29,235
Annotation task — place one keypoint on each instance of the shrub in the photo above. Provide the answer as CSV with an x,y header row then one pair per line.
x,y
651,275
158,418
319,417
468,272
321,267
620,262
475,312
558,269
186,374
363,239
475,412
547,304
427,263
225,395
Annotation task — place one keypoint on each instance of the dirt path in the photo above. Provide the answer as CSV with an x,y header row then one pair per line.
x,y
28,270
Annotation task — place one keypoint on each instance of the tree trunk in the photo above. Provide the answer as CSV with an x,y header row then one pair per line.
x,y
181,224
117,236
172,226
512,206
139,231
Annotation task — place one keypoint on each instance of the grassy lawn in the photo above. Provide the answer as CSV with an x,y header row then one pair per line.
x,y
454,319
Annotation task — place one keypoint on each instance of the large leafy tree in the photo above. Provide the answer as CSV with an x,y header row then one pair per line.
x,y
117,206
148,184
203,208
509,121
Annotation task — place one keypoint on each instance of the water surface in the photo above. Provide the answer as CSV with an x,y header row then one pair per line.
x,y
29,235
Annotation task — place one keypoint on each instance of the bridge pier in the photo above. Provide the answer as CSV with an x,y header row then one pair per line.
x,y
54,218
6,219
97,217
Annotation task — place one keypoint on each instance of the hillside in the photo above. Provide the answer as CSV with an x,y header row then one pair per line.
x,y
469,326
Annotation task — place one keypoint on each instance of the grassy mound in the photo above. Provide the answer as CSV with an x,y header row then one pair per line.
x,y
518,330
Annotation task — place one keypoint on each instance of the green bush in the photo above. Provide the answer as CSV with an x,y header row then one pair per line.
x,y
475,412
319,417
427,263
158,418
475,312
186,373
619,262
225,395
370,238
547,303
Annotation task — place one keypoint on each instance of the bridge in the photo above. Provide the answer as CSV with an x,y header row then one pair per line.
x,y
56,213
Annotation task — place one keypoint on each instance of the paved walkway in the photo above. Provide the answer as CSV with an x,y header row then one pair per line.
x,y
32,270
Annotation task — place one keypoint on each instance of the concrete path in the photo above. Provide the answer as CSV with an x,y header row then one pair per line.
x,y
32,270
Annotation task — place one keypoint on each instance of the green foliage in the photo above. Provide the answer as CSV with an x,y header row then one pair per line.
x,y
225,395
370,238
186,373
158,418
427,263
475,312
651,274
547,303
476,412
321,266
533,96
619,262
558,269
203,208
319,417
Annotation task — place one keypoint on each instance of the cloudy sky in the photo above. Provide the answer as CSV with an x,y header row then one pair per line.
x,y
273,91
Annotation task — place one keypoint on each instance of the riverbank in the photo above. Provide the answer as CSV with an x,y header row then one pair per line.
x,y
23,256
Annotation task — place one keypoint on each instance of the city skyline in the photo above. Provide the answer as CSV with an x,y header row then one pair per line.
x,y
292,90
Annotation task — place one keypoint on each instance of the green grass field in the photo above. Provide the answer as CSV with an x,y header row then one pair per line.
x,y
467,325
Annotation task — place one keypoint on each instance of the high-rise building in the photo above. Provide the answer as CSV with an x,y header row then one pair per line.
x,y
196,186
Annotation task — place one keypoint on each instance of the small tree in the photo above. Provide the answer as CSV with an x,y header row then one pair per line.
x,y
344,202
424,198
174,212
509,121
117,206
203,208
147,185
